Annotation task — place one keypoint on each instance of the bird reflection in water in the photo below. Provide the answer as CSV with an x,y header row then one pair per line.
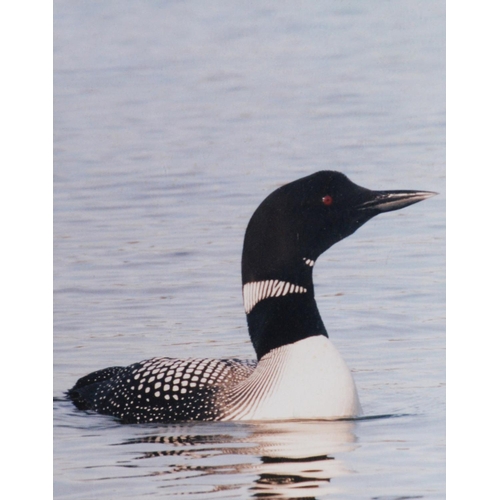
x,y
285,459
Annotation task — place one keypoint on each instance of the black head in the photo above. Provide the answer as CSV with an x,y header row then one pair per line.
x,y
286,234
302,219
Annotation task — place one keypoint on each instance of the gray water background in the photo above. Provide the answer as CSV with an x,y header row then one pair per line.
x,y
172,121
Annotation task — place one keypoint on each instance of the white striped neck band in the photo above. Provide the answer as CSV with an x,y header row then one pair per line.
x,y
256,291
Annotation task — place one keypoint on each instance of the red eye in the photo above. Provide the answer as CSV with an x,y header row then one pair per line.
x,y
327,200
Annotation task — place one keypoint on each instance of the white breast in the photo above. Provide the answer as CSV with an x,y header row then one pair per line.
x,y
304,380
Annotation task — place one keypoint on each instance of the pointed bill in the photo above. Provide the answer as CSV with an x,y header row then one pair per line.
x,y
386,201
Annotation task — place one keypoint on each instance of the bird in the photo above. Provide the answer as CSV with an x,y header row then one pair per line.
x,y
298,373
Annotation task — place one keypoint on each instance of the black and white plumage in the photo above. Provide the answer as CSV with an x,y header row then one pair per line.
x,y
298,372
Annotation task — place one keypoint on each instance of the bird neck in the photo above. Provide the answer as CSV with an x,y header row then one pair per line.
x,y
281,312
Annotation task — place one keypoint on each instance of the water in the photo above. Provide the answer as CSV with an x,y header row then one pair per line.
x,y
172,121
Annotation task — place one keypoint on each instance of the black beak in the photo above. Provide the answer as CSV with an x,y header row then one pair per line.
x,y
386,201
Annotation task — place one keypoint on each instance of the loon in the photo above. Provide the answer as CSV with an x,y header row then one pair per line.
x,y
298,373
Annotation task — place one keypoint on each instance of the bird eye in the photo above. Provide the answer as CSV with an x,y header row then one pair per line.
x,y
327,200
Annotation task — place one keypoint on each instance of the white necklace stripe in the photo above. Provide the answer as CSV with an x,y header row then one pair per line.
x,y
277,288
256,291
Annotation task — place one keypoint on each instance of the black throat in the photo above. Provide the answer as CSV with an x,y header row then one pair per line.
x,y
281,311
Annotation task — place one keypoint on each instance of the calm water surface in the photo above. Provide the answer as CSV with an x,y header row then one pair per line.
x,y
172,121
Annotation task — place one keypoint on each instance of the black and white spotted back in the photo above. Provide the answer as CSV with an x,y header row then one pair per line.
x,y
161,389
